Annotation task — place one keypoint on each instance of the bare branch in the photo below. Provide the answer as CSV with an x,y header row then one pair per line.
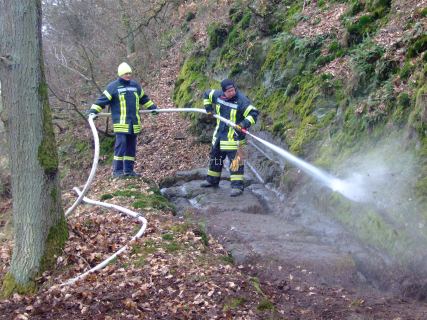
x,y
75,71
89,61
76,109
145,23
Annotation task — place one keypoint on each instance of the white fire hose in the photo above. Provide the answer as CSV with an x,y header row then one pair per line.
x,y
308,168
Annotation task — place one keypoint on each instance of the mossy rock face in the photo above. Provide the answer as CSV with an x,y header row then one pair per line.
x,y
318,115
418,120
217,34
191,83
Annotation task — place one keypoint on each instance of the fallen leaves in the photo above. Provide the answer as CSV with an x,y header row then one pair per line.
x,y
320,22
149,281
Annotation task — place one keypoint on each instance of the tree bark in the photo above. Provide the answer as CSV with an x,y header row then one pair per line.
x,y
130,39
40,230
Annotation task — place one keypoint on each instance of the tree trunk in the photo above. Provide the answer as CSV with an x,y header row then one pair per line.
x,y
130,38
40,230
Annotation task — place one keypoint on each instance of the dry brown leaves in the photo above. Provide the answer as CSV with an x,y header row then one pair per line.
x,y
320,22
159,277
167,146
339,68
396,30
176,277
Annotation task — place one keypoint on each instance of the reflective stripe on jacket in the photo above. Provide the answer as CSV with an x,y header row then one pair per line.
x,y
124,97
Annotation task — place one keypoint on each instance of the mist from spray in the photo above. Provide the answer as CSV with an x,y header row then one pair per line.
x,y
386,172
380,182
351,188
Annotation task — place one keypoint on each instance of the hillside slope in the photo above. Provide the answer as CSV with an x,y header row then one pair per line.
x,y
343,85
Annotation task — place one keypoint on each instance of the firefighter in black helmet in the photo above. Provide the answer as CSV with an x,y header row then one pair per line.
x,y
233,105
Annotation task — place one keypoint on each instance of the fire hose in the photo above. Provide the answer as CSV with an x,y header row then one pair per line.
x,y
332,182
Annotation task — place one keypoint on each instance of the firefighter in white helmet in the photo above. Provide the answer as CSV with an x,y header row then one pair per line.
x,y
125,96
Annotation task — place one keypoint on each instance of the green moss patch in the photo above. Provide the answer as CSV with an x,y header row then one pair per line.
x,y
417,46
191,83
153,201
47,151
143,201
233,303
10,286
265,305
55,242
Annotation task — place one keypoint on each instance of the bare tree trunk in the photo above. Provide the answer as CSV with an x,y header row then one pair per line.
x,y
40,230
130,38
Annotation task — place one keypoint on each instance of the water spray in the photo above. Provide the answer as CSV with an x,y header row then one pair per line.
x,y
350,189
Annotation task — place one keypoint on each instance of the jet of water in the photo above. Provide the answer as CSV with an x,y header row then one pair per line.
x,y
351,188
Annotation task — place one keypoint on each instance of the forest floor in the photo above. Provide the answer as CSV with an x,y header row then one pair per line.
x,y
176,270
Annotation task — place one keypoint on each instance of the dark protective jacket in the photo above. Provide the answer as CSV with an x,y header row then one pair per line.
x,y
124,97
238,110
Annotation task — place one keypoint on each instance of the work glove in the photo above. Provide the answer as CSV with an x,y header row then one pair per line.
x,y
235,163
153,107
239,127
87,113
209,118
238,159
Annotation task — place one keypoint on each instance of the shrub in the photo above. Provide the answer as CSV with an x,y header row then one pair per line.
x,y
355,7
364,26
404,99
406,70
190,16
418,46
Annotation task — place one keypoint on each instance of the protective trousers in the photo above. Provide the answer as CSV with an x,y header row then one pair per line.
x,y
124,153
216,162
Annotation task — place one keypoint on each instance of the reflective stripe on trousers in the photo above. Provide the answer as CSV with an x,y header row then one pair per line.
x,y
216,162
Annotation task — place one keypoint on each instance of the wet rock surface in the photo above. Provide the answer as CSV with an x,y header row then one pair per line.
x,y
261,227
